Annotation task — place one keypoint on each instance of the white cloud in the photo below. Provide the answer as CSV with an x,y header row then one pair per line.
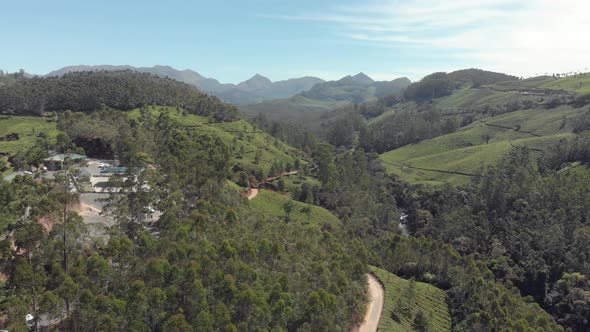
x,y
520,37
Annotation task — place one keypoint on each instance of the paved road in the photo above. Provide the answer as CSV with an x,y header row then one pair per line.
x,y
374,307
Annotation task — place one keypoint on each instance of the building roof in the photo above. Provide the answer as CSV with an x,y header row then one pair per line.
x,y
61,157
114,170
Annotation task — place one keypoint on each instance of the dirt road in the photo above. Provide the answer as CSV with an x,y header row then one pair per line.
x,y
253,193
374,307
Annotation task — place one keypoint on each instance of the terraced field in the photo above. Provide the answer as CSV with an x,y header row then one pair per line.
x,y
576,83
425,297
272,204
482,143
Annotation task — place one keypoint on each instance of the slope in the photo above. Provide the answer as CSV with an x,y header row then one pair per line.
x,y
479,144
403,300
310,108
252,149
273,204
27,128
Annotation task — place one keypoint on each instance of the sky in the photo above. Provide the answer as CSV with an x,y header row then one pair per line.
x,y
233,40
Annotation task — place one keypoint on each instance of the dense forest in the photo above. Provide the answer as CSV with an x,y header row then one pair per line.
x,y
90,91
215,265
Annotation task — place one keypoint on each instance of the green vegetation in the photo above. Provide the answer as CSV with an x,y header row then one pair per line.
x,y
281,206
506,251
27,128
213,262
480,144
405,298
253,150
576,83
297,109
91,91
313,109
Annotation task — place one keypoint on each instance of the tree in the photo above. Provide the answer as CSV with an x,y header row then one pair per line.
x,y
68,291
288,207
63,142
51,305
421,322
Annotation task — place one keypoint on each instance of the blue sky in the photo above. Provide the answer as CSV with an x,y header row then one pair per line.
x,y
233,40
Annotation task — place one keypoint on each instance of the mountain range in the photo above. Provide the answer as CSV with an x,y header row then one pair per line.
x,y
254,90
311,108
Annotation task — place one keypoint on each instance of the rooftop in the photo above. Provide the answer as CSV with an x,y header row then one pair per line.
x,y
62,157
114,170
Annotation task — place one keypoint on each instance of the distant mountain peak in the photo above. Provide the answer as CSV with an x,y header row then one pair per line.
x,y
256,82
258,76
363,78
360,78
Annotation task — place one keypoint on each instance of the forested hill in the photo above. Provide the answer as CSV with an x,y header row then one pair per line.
x,y
247,92
123,90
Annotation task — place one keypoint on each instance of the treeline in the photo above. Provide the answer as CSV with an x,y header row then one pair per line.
x,y
406,127
476,301
527,222
292,134
562,154
213,264
441,84
123,90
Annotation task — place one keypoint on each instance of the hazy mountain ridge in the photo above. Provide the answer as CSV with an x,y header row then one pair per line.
x,y
314,107
356,89
254,90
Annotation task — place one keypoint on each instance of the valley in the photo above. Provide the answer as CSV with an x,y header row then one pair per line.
x,y
224,206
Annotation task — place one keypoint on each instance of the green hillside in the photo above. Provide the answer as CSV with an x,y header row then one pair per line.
x,y
298,109
403,300
479,144
312,108
272,204
245,141
27,128
252,149
576,83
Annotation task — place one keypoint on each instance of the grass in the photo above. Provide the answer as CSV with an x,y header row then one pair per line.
x,y
429,299
271,204
576,83
293,181
27,128
467,151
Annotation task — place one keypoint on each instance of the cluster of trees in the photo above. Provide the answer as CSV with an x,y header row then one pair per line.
x,y
294,135
432,86
215,264
527,223
478,77
406,127
442,84
123,90
564,153
355,187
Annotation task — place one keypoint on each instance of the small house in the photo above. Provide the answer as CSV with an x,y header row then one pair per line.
x,y
56,162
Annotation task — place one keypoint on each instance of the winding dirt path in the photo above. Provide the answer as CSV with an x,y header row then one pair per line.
x,y
374,307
